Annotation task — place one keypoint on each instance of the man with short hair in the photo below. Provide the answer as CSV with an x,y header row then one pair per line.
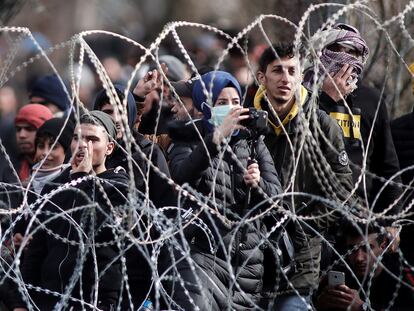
x,y
389,287
28,120
74,253
147,180
297,147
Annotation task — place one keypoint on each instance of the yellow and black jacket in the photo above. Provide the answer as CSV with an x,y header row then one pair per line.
x,y
310,158
381,158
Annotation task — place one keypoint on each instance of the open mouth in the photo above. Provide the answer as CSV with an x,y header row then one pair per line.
x,y
79,156
48,161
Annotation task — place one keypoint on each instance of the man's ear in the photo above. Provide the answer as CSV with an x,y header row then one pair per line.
x,y
261,77
109,148
385,241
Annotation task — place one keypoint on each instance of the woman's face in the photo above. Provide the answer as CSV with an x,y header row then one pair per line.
x,y
54,156
228,96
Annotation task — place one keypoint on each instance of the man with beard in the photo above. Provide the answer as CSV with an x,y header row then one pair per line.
x,y
148,181
389,287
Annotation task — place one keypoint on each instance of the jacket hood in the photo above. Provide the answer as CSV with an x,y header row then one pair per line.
x,y
260,103
102,98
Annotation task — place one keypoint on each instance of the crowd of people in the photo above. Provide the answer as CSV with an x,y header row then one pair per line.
x,y
194,192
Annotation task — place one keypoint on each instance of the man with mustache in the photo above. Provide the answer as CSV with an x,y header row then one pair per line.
x,y
28,120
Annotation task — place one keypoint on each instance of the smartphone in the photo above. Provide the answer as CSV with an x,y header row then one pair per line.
x,y
336,278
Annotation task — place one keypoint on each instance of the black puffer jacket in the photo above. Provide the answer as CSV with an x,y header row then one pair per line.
x,y
220,176
143,172
160,194
52,258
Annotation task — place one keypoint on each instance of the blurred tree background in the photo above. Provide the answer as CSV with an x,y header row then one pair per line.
x,y
55,21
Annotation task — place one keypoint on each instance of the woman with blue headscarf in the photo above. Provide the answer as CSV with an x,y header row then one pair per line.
x,y
226,263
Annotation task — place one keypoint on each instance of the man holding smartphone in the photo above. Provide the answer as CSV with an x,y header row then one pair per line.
x,y
291,143
377,275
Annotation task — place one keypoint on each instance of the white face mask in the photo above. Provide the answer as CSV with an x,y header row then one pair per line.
x,y
218,114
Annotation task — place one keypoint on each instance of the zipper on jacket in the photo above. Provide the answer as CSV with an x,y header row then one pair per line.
x,y
232,182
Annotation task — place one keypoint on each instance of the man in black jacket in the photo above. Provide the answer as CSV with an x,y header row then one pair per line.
x,y
73,254
151,173
379,276
309,154
360,111
403,135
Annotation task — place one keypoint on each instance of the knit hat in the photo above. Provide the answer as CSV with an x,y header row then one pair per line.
x,y
53,127
214,82
103,119
34,114
176,68
50,88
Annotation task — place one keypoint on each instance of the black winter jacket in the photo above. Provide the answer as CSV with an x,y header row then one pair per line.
x,y
403,135
53,258
381,159
322,170
216,173
160,193
143,172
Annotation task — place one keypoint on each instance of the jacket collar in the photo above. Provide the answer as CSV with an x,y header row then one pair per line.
x,y
261,103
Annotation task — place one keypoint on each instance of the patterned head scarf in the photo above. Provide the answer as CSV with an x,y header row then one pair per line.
x,y
333,61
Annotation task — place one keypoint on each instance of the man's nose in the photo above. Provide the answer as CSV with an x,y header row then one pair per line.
x,y
83,143
285,75
360,254
45,151
22,133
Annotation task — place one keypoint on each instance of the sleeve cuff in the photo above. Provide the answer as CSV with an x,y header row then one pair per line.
x,y
77,175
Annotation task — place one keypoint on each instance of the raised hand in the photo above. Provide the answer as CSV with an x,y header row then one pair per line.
x,y
339,85
231,123
150,82
82,161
